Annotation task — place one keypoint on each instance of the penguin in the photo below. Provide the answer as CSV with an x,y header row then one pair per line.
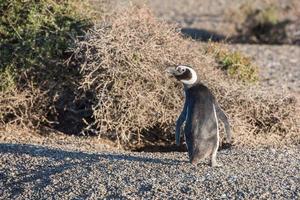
x,y
200,114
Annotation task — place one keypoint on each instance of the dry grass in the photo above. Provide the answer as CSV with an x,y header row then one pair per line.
x,y
123,61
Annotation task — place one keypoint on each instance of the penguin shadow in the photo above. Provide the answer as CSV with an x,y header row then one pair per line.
x,y
225,146
161,148
174,148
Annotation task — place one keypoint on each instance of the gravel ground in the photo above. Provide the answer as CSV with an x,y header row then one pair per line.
x,y
37,172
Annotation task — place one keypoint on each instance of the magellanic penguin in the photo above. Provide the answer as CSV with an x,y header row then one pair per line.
x,y
200,114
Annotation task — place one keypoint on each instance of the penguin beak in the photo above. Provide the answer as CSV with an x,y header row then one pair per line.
x,y
171,71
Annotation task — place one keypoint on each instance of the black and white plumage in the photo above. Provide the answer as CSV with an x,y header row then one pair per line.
x,y
200,114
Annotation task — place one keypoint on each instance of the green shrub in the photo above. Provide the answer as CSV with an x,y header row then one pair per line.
x,y
267,16
238,66
36,82
34,35
235,64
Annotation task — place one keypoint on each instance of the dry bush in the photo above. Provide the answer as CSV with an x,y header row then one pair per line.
x,y
27,108
260,116
123,61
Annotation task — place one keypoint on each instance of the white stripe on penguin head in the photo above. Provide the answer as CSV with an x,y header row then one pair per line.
x,y
194,77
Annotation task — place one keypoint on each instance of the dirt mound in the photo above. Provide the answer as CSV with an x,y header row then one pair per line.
x,y
123,61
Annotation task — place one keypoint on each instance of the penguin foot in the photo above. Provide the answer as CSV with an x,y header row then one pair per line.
x,y
215,164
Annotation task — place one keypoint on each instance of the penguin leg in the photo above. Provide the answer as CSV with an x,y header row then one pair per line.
x,y
213,161
189,145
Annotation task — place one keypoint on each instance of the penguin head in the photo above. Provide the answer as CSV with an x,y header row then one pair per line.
x,y
185,74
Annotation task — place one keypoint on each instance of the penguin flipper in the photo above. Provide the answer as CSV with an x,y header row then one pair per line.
x,y
181,119
223,117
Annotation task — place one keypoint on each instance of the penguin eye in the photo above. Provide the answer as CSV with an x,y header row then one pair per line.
x,y
181,69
